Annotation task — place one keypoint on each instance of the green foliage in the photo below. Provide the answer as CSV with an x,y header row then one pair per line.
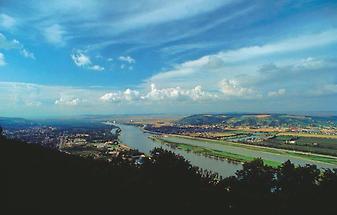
x,y
36,179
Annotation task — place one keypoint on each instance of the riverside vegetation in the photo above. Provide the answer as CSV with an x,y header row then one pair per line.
x,y
36,179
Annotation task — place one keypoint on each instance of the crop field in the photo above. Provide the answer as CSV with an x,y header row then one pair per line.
x,y
308,135
326,146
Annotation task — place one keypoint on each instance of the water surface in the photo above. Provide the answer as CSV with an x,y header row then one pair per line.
x,y
137,139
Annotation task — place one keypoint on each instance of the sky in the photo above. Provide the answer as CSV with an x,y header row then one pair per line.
x,y
74,57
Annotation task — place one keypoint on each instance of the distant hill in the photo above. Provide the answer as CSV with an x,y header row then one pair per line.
x,y
234,119
8,122
17,123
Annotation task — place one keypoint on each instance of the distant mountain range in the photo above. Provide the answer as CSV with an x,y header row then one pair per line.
x,y
8,122
235,119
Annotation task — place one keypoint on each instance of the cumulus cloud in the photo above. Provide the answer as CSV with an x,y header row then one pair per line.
x,y
232,88
7,21
54,34
2,59
81,59
119,96
155,94
178,93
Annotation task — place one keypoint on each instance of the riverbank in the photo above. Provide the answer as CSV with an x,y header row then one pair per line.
x,y
317,158
236,158
136,138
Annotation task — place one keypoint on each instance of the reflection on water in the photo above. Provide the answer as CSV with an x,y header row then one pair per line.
x,y
137,139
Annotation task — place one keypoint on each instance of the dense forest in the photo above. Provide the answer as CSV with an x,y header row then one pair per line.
x,y
42,180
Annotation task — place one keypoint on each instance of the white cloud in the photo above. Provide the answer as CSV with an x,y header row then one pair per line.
x,y
119,96
289,45
232,88
80,59
279,92
67,101
15,44
54,34
8,44
310,63
127,59
156,13
110,97
96,68
155,94
178,93
217,64
2,59
27,54
7,21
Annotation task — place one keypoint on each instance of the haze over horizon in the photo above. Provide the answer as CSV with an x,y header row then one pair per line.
x,y
70,57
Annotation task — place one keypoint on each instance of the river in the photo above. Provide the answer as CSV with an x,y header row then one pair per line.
x,y
137,139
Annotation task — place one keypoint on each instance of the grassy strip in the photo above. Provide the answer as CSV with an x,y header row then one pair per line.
x,y
307,135
315,158
241,145
308,156
216,153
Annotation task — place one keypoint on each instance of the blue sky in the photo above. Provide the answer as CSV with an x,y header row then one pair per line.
x,y
70,57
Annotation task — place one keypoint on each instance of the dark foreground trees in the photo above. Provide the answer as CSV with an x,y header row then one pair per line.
x,y
35,179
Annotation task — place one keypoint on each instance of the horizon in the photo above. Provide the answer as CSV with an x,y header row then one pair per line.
x,y
71,58
179,115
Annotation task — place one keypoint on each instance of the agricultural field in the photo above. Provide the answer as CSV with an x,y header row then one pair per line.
x,y
304,143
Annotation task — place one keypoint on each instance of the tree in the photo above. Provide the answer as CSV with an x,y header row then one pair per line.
x,y
1,132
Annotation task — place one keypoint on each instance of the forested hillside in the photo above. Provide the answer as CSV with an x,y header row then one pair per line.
x,y
37,179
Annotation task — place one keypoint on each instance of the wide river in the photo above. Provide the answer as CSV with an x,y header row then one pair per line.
x,y
137,139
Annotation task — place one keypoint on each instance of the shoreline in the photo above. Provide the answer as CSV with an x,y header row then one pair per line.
x,y
236,158
323,159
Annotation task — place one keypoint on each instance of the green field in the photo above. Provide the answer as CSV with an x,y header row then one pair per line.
x,y
215,153
319,145
325,136
309,156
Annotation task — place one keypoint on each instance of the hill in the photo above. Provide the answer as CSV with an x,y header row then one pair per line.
x,y
9,122
233,119
40,180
